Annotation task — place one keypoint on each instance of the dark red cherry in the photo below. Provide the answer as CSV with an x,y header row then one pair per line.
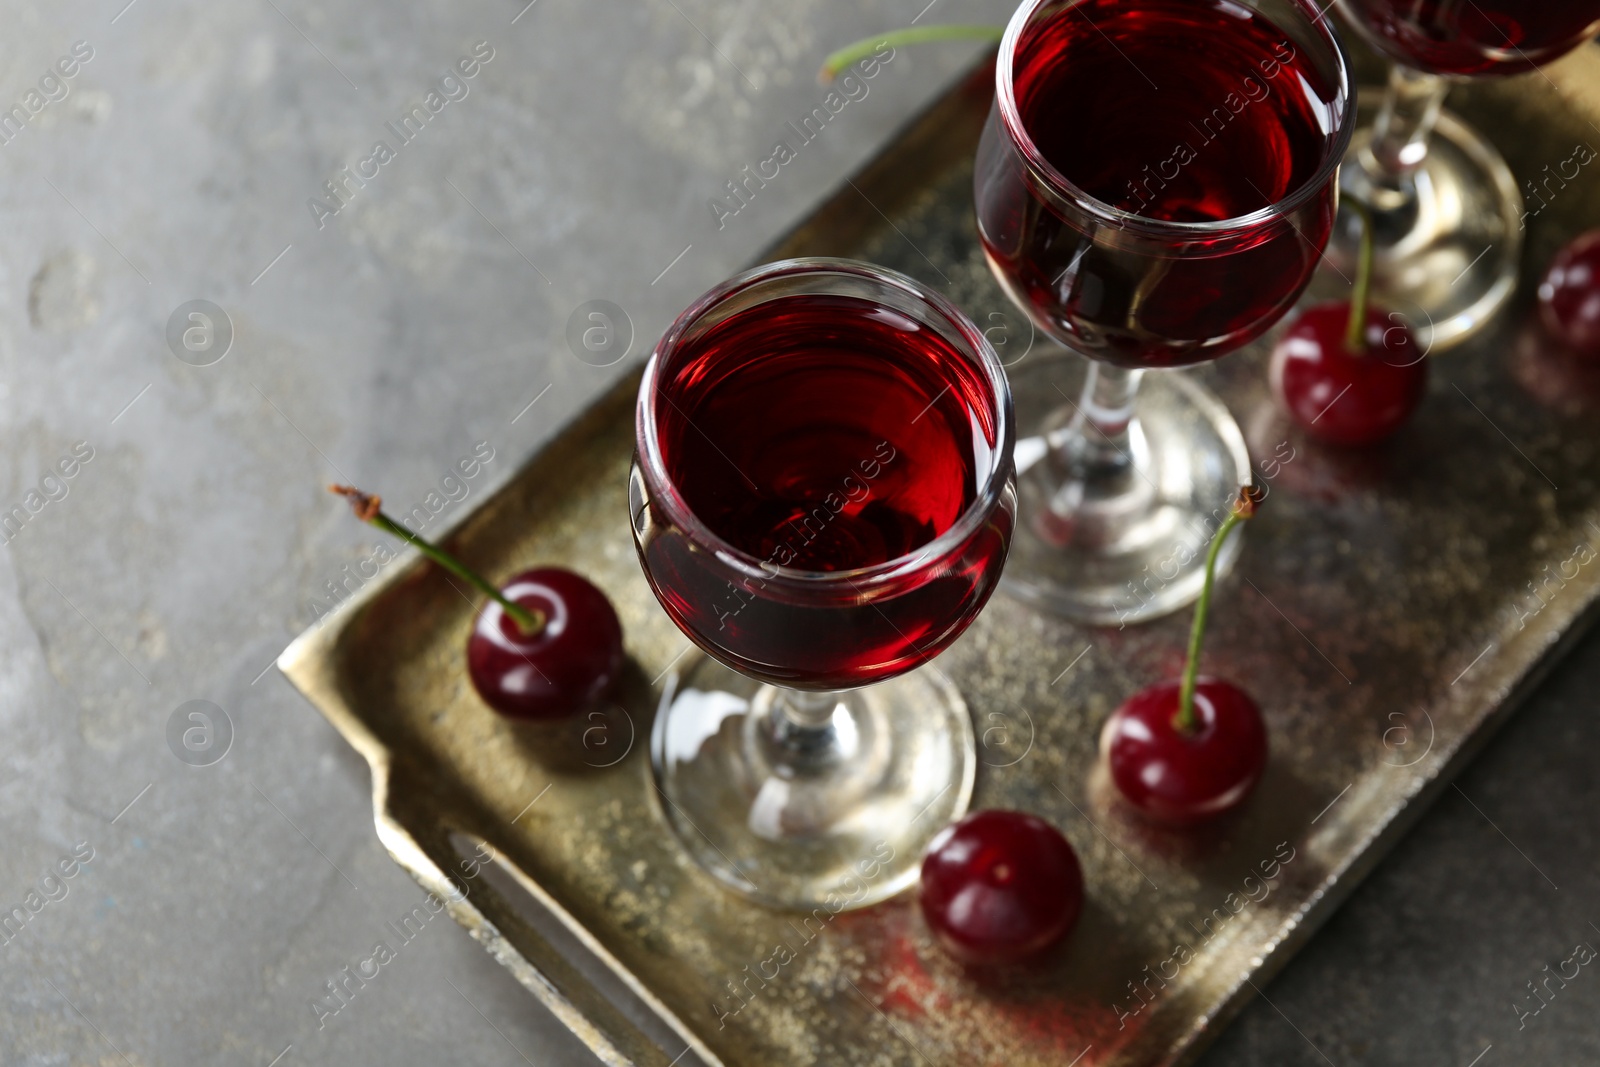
x,y
1184,778
1000,886
574,659
1569,296
1342,397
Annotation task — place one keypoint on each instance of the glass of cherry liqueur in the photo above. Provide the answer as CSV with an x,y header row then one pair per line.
x,y
1154,187
822,500
1449,217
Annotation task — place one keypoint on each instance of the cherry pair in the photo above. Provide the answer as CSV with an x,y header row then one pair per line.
x,y
1002,886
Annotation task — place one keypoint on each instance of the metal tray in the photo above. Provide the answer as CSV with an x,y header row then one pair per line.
x,y
1389,608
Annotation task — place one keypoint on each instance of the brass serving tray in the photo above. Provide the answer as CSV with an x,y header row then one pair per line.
x,y
1382,613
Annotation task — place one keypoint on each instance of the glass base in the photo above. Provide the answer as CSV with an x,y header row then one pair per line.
x,y
832,817
1128,547
1449,242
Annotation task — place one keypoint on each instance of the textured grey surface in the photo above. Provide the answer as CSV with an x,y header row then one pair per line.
x,y
379,349
382,348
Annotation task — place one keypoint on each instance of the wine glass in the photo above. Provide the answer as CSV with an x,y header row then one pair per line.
x,y
822,499
1154,188
1448,217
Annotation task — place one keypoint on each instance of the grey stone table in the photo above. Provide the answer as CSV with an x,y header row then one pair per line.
x,y
217,293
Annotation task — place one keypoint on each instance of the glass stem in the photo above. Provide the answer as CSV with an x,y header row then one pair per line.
x,y
802,710
1097,443
801,732
1405,122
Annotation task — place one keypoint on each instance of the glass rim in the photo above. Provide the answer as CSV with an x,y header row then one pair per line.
x,y
664,492
1005,100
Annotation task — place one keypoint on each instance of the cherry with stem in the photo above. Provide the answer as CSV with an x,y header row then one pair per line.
x,y
545,646
1346,372
1188,751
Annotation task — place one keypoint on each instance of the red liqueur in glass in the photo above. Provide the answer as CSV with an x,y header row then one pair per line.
x,y
822,500
1476,37
816,435
1164,111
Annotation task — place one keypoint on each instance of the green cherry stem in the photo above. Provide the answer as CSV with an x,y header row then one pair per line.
x,y
1355,335
1243,508
865,47
369,509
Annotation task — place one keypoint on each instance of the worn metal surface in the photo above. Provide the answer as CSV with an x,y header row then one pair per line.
x,y
1382,612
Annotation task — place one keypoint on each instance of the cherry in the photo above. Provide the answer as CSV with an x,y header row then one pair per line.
x,y
1000,886
547,646
1187,751
565,665
1569,296
1183,777
1345,397
1347,373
